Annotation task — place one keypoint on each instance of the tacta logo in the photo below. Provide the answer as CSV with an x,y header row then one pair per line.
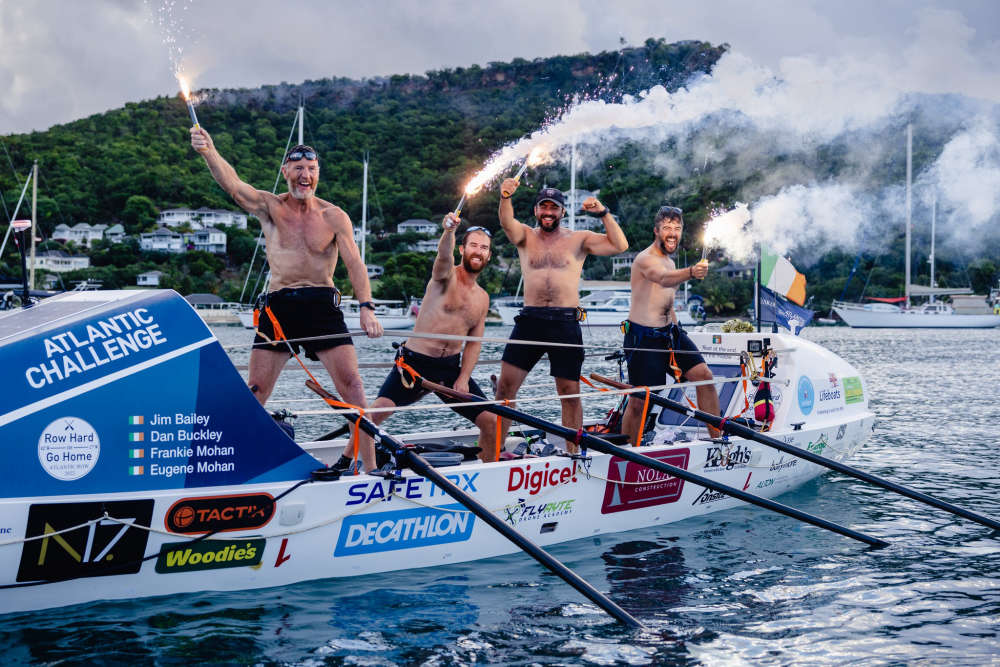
x,y
220,513
541,477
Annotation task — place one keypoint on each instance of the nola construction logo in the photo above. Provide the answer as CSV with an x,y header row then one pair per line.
x,y
101,541
632,486
209,555
407,529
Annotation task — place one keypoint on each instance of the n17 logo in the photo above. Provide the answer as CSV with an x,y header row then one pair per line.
x,y
96,547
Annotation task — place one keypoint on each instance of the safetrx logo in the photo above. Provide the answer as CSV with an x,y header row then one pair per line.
x,y
407,529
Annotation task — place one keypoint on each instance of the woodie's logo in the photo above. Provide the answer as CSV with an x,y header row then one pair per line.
x,y
97,549
541,477
209,555
220,513
643,487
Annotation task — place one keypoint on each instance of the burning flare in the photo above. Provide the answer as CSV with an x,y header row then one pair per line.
x,y
186,92
724,225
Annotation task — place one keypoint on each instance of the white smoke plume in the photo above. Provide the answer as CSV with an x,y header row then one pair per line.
x,y
820,144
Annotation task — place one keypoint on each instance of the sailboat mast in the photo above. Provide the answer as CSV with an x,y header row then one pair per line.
x,y
933,232
909,177
364,208
302,118
34,220
572,189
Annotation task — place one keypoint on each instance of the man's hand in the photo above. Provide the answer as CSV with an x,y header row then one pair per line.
x,y
509,187
451,221
370,323
700,270
591,205
200,140
462,385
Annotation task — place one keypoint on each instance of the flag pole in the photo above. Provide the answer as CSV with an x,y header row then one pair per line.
x,y
756,293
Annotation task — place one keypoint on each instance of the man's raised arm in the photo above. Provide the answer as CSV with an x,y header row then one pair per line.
x,y
247,197
444,263
654,272
613,240
357,272
514,230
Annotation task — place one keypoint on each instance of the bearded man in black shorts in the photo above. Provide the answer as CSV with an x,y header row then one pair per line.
x,y
453,304
552,264
305,235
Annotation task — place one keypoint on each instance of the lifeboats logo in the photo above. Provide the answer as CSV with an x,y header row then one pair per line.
x,y
807,397
632,486
408,529
220,513
541,477
102,543
209,555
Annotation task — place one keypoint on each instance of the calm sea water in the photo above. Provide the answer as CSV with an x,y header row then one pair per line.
x,y
744,586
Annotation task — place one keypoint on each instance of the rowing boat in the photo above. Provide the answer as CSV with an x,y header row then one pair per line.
x,y
137,463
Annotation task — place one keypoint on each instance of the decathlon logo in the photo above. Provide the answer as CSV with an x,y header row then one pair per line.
x,y
408,529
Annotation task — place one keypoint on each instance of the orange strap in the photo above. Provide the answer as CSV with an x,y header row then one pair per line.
x,y
642,423
279,335
402,366
592,385
499,435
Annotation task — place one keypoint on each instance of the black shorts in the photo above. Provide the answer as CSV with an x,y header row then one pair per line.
x,y
551,325
302,312
650,369
443,370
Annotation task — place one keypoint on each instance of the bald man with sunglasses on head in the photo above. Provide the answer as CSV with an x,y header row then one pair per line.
x,y
453,304
305,236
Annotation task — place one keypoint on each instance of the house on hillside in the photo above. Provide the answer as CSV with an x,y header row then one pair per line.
x,y
201,218
60,262
418,226
82,234
424,245
115,233
149,279
210,240
736,270
622,261
162,240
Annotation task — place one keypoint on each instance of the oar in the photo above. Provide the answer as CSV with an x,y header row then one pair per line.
x,y
750,434
406,456
601,445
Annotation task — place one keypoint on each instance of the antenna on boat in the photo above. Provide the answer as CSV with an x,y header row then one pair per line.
x,y
20,227
933,231
302,116
17,208
572,188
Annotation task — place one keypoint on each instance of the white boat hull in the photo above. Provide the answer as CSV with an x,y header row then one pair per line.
x,y
865,319
128,434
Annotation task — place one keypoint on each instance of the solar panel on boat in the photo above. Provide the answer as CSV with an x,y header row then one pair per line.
x,y
54,310
726,391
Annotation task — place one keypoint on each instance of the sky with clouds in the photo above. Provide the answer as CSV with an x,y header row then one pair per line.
x,y
66,59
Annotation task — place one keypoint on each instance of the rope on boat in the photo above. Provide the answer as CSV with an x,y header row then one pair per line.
x,y
526,399
393,333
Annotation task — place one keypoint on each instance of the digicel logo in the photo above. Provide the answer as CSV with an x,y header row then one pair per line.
x,y
220,513
535,480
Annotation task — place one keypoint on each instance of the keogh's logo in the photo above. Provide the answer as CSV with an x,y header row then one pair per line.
x,y
220,513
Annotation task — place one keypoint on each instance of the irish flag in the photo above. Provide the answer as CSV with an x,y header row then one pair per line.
x,y
778,275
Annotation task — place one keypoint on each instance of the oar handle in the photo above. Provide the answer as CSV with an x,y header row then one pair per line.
x,y
750,434
602,445
411,459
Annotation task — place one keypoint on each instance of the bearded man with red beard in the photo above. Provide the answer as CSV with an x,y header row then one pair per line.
x,y
305,235
453,304
652,323
551,265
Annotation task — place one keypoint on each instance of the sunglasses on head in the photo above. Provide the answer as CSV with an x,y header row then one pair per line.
x,y
295,156
670,210
479,229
